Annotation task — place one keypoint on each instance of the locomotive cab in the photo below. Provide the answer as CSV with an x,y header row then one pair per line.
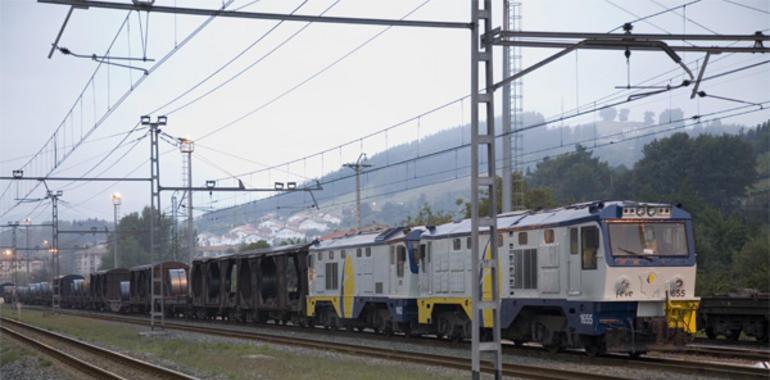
x,y
614,276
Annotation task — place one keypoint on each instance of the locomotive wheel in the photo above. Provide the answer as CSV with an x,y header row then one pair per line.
x,y
594,346
383,322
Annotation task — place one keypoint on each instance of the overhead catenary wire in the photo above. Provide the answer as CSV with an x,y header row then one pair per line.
x,y
401,190
160,62
445,105
226,65
747,7
311,77
176,47
695,119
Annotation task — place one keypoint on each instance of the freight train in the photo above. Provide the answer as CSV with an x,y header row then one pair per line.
x,y
604,276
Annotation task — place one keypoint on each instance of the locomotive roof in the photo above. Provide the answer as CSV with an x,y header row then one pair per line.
x,y
575,213
363,239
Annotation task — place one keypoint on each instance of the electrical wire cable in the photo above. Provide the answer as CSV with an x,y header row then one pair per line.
x,y
309,78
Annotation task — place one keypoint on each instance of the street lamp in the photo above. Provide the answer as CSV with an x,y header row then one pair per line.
x,y
117,199
9,253
27,223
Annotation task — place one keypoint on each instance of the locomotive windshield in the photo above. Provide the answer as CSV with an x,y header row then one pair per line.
x,y
648,239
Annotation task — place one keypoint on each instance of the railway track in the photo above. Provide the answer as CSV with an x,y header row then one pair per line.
x,y
509,370
92,360
680,365
761,355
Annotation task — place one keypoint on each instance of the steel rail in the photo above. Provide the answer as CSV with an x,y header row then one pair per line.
x,y
62,356
512,370
678,365
90,368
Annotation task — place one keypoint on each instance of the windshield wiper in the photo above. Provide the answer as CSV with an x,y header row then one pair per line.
x,y
635,254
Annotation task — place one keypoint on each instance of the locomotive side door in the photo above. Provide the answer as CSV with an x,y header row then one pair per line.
x,y
423,260
574,272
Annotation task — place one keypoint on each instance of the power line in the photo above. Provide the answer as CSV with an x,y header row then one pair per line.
x,y
250,66
747,7
696,119
311,77
168,55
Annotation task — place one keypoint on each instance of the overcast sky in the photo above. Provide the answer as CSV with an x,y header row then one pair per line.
x,y
400,74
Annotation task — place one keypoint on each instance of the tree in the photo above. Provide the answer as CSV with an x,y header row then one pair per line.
x,y
574,177
427,217
608,114
751,263
259,244
715,170
134,241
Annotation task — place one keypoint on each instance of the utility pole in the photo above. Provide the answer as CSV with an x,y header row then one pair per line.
x,y
14,252
513,188
357,166
483,142
187,146
117,199
54,250
175,226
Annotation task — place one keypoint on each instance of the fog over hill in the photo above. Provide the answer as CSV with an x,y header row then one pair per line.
x,y
430,171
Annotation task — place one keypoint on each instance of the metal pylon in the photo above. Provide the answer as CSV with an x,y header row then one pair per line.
x,y
514,58
156,281
481,56
56,291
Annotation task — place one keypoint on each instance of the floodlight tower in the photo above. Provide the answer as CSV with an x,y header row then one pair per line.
x,y
156,297
186,147
117,199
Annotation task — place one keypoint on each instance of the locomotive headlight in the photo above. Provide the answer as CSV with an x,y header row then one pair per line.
x,y
640,211
650,211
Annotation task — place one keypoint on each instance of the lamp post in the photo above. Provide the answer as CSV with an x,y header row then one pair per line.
x,y
187,147
9,254
117,199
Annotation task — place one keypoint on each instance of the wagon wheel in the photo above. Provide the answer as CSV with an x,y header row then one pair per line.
x,y
734,334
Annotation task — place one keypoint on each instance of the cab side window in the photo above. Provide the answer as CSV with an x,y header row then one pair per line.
x,y
589,237
400,259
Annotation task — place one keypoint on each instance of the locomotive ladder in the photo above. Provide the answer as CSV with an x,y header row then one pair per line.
x,y
156,281
482,56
